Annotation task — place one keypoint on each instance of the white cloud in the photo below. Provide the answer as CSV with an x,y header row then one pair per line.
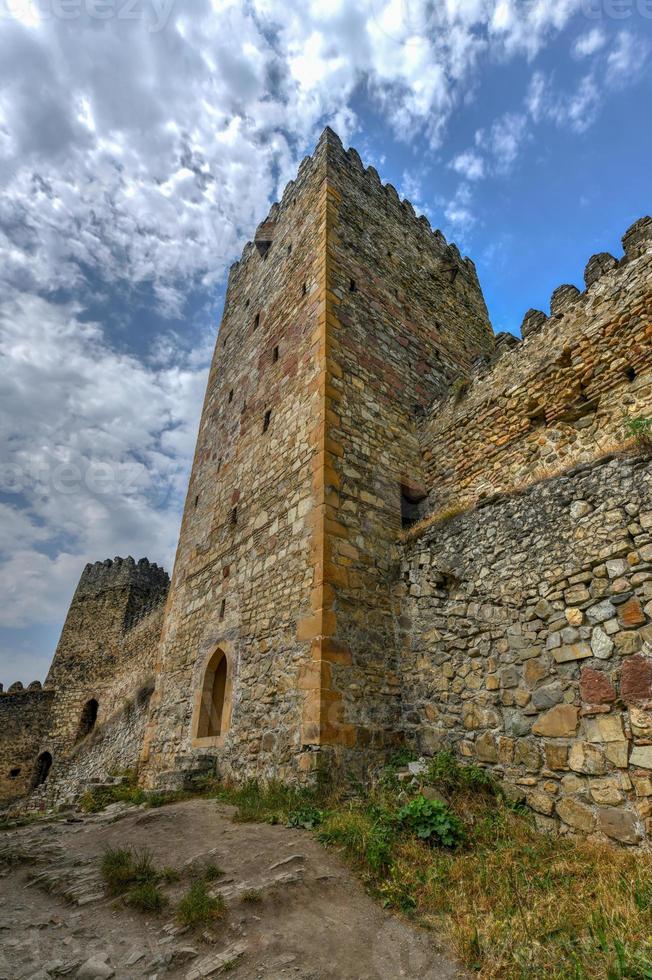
x,y
469,164
589,42
626,59
576,110
98,445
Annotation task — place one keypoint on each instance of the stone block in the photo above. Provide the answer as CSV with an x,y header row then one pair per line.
x,y
601,644
641,757
619,824
576,814
636,679
558,722
630,613
595,687
586,758
604,728
572,651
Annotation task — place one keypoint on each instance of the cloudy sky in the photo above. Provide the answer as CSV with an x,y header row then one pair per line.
x,y
141,141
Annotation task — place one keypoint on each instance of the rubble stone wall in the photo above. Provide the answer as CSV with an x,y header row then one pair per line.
x,y
562,396
24,720
526,633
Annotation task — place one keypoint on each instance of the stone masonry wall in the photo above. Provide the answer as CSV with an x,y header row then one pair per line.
x,y
526,631
24,720
561,396
404,314
242,578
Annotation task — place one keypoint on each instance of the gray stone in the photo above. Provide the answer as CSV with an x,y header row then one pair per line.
x,y
601,644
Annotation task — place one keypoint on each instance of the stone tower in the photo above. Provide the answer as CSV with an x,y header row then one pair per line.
x,y
343,320
91,652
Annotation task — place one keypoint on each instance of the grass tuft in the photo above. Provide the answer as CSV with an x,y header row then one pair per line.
x,y
251,896
198,909
132,874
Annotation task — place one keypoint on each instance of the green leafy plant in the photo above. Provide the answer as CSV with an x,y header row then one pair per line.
x,y
307,817
431,820
640,429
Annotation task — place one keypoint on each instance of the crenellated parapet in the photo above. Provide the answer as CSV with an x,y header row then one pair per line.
x,y
563,394
122,573
636,241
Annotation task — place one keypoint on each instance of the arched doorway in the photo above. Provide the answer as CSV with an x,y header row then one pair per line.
x,y
42,769
87,719
213,712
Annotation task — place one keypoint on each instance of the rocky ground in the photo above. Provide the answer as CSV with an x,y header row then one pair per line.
x,y
312,919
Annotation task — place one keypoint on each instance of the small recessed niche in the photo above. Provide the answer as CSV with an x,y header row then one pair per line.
x,y
290,249
231,396
222,608
246,304
413,504
226,571
14,773
275,355
234,516
219,465
352,286
304,289
630,373
267,420
256,321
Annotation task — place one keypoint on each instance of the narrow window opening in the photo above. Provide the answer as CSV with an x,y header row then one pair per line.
x,y
219,465
231,396
290,249
256,321
42,769
213,695
196,501
413,504
234,516
275,355
246,304
14,773
304,289
222,608
352,286
87,719
630,373
267,419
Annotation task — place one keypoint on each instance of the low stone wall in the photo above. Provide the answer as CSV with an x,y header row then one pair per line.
x,y
526,635
114,746
561,396
24,719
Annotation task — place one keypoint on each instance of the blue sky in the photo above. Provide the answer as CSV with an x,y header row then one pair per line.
x,y
140,144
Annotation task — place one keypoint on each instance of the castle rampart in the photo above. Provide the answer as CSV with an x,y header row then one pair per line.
x,y
562,396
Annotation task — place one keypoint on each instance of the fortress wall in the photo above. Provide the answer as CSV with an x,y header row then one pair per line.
x,y
526,632
561,396
24,720
241,586
105,651
405,314
115,743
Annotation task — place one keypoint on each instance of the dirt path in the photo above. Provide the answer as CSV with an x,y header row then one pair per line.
x,y
313,922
